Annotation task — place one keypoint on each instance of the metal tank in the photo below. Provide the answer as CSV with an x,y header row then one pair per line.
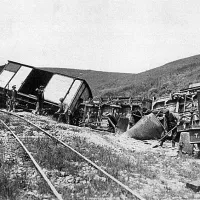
x,y
149,127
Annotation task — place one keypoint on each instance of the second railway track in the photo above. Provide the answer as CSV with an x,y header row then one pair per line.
x,y
71,173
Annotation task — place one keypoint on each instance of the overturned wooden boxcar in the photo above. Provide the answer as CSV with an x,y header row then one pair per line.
x,y
28,78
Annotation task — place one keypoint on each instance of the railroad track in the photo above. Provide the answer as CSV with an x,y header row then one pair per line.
x,y
31,137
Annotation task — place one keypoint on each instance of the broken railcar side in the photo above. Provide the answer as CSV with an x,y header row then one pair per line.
x,y
113,114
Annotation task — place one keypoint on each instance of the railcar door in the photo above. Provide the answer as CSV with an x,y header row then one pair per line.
x,y
5,77
57,88
20,77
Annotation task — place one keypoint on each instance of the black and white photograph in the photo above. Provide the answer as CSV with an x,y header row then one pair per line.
x,y
99,100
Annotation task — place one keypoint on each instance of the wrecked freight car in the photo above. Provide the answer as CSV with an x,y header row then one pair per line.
x,y
114,114
28,78
185,105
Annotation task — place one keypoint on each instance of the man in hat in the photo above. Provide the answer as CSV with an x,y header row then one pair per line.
x,y
60,113
13,98
171,124
40,99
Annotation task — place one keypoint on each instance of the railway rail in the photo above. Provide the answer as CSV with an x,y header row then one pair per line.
x,y
58,141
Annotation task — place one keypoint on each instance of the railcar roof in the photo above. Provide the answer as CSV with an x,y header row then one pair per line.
x,y
10,61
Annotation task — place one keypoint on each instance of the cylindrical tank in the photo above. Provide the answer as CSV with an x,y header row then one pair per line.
x,y
149,127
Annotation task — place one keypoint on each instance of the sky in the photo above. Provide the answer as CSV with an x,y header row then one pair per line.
x,y
129,36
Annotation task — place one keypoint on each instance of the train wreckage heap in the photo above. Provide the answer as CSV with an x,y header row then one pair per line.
x,y
116,114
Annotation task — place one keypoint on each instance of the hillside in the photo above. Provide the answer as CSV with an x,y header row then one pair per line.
x,y
155,82
100,82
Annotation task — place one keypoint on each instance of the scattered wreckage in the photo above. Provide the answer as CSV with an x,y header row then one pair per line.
x,y
134,117
185,105
116,114
149,127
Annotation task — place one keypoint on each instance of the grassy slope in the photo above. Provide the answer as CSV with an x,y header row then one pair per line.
x,y
155,82
99,81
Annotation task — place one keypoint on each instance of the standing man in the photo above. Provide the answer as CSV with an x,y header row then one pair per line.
x,y
171,122
13,99
40,99
7,99
60,114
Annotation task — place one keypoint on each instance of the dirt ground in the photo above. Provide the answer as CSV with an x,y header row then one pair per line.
x,y
171,171
174,170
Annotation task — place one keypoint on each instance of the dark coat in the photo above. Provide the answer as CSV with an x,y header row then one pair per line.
x,y
40,95
171,121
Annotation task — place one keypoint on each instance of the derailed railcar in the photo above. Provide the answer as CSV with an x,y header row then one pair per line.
x,y
116,114
28,78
